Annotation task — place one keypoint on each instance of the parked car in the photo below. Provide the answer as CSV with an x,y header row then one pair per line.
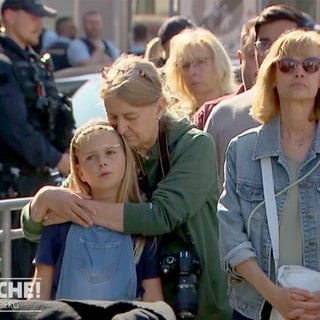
x,y
84,91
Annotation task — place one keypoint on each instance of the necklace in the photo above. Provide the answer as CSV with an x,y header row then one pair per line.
x,y
142,155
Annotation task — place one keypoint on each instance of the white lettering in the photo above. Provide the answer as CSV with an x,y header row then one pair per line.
x,y
19,289
9,304
12,290
3,293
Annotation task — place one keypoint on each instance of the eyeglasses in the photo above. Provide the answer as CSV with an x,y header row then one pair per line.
x,y
130,74
288,65
262,46
198,63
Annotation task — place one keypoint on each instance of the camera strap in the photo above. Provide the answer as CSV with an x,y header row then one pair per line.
x,y
163,151
164,159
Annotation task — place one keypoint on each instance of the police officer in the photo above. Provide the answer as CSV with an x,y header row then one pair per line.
x,y
35,122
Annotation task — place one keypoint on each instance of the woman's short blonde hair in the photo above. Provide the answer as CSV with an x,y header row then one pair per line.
x,y
300,43
132,79
184,47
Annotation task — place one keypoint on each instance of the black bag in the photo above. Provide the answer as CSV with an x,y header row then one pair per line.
x,y
61,123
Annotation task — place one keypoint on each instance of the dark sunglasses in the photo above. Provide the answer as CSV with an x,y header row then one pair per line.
x,y
288,65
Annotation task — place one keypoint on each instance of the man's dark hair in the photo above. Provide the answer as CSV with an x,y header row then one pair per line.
x,y
59,23
172,26
140,32
282,12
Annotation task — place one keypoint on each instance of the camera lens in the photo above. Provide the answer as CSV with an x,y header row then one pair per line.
x,y
187,297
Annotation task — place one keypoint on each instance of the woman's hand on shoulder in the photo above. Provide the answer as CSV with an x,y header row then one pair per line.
x,y
52,205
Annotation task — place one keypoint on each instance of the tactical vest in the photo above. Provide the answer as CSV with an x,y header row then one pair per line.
x,y
91,48
58,53
48,111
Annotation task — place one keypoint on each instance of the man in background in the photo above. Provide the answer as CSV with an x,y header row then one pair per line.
x,y
140,37
66,32
92,49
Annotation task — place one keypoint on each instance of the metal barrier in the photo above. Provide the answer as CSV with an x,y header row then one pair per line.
x,y
7,234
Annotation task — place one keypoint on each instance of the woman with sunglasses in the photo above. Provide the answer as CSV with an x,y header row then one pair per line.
x,y
180,185
288,106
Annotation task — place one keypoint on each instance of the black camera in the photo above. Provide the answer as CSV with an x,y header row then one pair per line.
x,y
184,268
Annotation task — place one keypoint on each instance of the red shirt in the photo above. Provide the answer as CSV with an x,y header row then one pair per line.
x,y
201,115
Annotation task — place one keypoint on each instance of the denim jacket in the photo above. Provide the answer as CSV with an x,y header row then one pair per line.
x,y
241,212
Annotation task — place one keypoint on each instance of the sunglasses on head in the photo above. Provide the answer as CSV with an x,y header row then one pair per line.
x,y
288,65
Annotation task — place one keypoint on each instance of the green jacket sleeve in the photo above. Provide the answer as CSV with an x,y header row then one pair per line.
x,y
189,186
32,230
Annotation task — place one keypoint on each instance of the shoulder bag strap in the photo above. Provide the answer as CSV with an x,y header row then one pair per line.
x,y
271,208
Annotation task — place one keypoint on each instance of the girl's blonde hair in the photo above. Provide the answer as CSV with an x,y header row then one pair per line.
x,y
184,47
301,43
129,188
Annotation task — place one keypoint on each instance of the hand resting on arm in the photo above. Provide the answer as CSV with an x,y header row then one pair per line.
x,y
52,205
292,303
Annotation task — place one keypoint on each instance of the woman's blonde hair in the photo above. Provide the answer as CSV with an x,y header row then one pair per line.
x,y
301,43
184,47
129,188
132,79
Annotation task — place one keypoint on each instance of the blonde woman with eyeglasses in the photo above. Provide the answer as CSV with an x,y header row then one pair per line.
x,y
179,185
198,70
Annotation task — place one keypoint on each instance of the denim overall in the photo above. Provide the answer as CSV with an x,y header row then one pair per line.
x,y
97,264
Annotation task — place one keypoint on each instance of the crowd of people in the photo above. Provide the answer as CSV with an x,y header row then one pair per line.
x,y
164,200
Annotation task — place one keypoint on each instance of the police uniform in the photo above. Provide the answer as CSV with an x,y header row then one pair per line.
x,y
58,52
29,143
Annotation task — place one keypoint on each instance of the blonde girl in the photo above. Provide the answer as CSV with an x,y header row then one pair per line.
x,y
74,262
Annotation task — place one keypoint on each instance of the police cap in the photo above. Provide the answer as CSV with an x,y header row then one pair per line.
x,y
34,7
